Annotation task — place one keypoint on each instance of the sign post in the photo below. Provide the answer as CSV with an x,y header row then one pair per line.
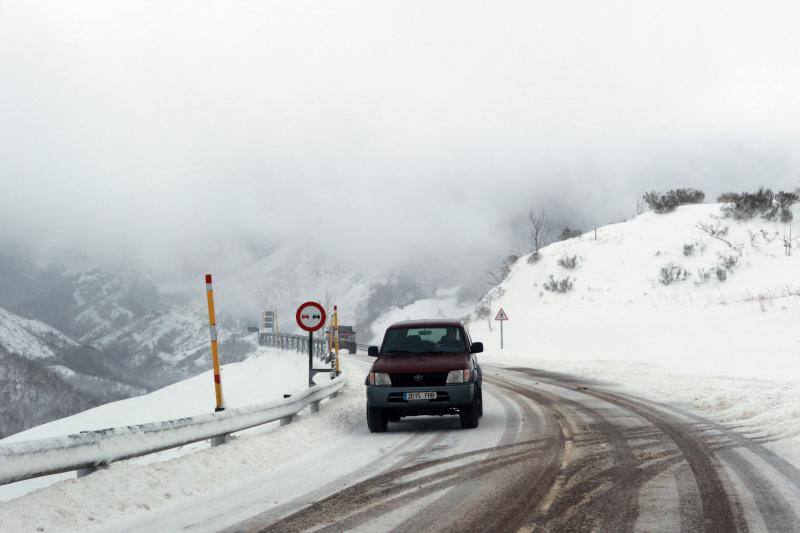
x,y
336,336
502,317
310,317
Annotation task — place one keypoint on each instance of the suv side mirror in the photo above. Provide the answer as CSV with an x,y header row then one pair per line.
x,y
477,347
372,351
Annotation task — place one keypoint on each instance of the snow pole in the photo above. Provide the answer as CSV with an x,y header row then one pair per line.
x,y
336,337
212,322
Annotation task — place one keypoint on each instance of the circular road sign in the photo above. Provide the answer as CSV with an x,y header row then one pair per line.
x,y
310,316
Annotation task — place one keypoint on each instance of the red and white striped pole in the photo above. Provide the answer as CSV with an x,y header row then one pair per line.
x,y
212,321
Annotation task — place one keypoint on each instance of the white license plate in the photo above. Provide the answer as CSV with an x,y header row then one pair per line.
x,y
419,395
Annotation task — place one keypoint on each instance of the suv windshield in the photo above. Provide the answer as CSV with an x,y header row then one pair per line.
x,y
424,340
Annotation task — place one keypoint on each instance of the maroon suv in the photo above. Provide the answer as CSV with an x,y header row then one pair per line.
x,y
424,367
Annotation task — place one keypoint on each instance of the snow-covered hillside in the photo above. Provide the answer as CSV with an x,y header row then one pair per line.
x,y
30,338
84,367
723,345
47,375
88,303
662,290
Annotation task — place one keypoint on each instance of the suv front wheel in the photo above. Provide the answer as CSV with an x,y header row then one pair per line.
x,y
470,414
377,419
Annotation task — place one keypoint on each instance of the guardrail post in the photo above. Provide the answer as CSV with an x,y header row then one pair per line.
x,y
286,420
218,440
82,472
314,407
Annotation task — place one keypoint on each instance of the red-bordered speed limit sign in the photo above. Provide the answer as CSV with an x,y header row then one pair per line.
x,y
310,316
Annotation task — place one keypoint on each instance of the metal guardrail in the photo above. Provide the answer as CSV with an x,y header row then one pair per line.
x,y
290,341
91,449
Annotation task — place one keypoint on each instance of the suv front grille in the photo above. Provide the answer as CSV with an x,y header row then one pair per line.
x,y
419,379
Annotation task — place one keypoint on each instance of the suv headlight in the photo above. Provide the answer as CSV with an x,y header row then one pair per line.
x,y
458,376
379,378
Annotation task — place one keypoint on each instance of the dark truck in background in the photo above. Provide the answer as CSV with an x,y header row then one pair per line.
x,y
347,338
424,367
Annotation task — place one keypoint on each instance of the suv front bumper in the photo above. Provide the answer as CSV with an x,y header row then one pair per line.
x,y
447,397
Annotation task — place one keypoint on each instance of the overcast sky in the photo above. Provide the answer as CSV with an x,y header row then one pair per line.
x,y
191,135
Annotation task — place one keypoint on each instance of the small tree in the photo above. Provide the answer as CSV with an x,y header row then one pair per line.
x,y
497,277
540,231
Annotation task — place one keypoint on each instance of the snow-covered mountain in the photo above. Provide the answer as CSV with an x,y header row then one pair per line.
x,y
35,394
48,375
294,274
89,303
689,289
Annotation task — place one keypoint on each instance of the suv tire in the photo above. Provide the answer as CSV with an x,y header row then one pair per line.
x,y
470,414
480,402
377,419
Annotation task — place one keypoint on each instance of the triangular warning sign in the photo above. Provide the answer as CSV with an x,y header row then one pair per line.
x,y
501,315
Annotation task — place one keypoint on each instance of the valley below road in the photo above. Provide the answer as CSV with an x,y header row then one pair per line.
x,y
551,454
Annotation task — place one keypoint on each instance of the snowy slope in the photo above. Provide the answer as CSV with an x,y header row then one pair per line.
x,y
727,350
619,309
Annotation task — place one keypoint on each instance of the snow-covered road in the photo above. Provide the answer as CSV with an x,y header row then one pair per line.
x,y
550,453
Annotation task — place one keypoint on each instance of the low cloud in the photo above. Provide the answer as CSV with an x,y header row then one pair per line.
x,y
186,137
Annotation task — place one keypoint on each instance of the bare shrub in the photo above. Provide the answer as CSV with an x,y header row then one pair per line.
x,y
668,201
568,261
569,234
722,274
728,262
718,230
559,285
688,250
765,203
672,273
